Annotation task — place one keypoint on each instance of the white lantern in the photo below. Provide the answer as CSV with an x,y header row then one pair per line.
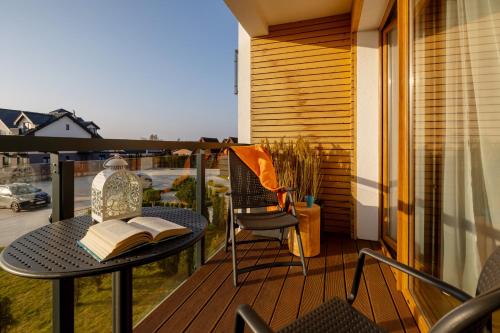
x,y
116,192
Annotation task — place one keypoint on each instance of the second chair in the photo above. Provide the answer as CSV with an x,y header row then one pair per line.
x,y
246,194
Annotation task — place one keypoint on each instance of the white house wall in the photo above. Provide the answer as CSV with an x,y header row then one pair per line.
x,y
58,129
4,130
368,135
243,85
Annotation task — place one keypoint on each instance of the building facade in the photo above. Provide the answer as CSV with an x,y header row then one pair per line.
x,y
402,96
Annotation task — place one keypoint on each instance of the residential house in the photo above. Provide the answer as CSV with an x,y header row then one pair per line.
x,y
403,98
57,123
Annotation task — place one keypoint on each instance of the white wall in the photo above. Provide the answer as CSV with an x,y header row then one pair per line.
x,y
368,135
243,86
58,129
4,130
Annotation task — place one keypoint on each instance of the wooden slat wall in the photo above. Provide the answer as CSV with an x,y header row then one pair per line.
x,y
301,84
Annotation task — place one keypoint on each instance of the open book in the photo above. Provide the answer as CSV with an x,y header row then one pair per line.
x,y
111,238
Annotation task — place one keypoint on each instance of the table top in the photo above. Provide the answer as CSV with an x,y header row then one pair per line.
x,y
51,252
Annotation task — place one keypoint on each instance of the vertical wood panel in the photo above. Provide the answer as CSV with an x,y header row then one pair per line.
x,y
302,85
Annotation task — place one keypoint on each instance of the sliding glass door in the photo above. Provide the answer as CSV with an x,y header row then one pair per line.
x,y
390,132
455,149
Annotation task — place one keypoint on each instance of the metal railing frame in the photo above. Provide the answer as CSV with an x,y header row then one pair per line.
x,y
62,173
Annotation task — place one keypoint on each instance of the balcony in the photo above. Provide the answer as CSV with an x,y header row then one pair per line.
x,y
179,293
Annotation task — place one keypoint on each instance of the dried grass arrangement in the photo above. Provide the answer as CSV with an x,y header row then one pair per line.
x,y
297,165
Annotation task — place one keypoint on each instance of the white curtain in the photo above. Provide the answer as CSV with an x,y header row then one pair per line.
x,y
470,195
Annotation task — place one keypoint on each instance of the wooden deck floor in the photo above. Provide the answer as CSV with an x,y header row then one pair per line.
x,y
207,301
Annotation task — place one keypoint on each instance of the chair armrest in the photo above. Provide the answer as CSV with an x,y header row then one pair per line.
x,y
440,284
469,316
289,203
246,315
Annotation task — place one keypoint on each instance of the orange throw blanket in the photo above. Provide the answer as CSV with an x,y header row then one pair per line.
x,y
261,164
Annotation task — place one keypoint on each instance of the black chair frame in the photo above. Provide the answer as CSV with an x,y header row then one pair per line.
x,y
269,199
473,315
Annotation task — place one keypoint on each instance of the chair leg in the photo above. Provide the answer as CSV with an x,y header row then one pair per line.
x,y
282,236
301,250
227,231
233,254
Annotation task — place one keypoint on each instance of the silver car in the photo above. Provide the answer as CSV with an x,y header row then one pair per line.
x,y
19,196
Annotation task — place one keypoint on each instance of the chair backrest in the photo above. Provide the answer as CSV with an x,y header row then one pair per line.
x,y
246,189
475,314
490,274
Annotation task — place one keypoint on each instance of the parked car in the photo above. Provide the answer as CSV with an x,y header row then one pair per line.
x,y
146,180
18,196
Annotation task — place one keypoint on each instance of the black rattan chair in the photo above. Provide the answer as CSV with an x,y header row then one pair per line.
x,y
473,315
248,193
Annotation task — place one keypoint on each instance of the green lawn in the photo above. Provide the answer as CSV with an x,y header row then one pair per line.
x,y
31,299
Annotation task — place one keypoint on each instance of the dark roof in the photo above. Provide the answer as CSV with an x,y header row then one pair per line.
x,y
205,139
38,118
230,139
59,112
9,116
86,123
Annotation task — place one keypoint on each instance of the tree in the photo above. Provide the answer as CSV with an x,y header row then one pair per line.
x,y
153,137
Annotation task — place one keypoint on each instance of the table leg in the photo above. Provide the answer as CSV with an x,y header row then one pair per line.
x,y
122,301
63,308
199,252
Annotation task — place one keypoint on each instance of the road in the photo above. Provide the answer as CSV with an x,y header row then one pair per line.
x,y
14,225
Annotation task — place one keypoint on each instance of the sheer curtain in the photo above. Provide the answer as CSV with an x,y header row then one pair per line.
x,y
470,136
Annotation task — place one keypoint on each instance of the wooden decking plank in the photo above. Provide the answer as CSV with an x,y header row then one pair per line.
x,y
249,288
350,256
207,301
208,317
409,324
334,275
265,302
314,285
287,307
384,310
165,309
195,303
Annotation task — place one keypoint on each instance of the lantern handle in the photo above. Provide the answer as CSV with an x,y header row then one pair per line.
x,y
118,164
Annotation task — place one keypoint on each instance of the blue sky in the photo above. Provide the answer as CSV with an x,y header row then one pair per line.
x,y
133,67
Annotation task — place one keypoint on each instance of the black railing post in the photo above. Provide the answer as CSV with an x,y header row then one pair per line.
x,y
200,203
63,188
63,199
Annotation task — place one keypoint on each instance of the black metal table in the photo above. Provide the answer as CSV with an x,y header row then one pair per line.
x,y
51,252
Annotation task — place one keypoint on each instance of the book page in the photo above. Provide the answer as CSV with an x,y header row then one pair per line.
x,y
158,226
114,232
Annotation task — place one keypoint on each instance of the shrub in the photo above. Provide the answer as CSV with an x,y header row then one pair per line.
x,y
151,195
186,191
179,181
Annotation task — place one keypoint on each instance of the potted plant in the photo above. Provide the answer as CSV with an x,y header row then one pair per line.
x,y
297,165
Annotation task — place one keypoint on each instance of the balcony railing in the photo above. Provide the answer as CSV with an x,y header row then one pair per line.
x,y
153,282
